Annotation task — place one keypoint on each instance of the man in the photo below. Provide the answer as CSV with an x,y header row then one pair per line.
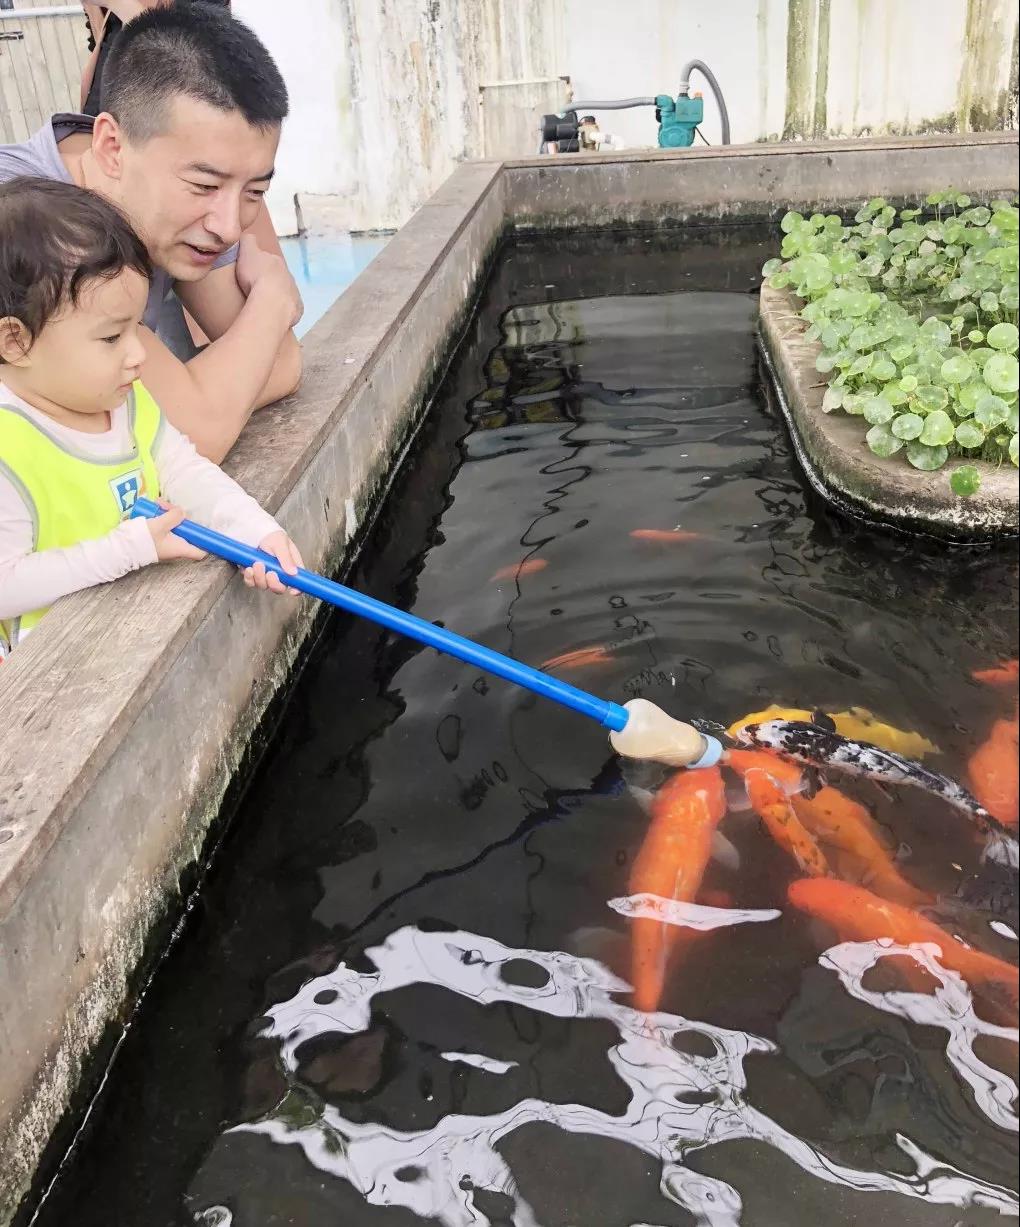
x,y
185,145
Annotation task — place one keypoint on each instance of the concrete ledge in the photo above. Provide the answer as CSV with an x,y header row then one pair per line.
x,y
841,466
738,182
127,711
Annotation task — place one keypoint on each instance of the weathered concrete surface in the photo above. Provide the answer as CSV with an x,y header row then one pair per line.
x,y
126,712
841,466
732,183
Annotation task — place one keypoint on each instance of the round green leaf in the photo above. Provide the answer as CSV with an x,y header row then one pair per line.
x,y
967,398
771,266
1014,449
937,332
930,397
908,383
1009,297
965,481
927,458
976,336
882,441
938,429
1005,337
1002,373
970,434
907,425
958,370
790,222
883,368
832,399
991,411
878,411
988,301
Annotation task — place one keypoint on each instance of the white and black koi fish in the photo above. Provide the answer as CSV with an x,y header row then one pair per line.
x,y
822,747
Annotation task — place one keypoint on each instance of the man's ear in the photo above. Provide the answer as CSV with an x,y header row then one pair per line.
x,y
15,341
108,145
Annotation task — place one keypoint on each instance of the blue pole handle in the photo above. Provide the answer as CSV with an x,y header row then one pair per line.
x,y
609,715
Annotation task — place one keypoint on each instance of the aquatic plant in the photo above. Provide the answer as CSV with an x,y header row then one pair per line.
x,y
916,315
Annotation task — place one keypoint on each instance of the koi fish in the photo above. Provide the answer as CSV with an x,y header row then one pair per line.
x,y
844,824
858,915
781,770
517,570
808,743
673,536
671,864
994,772
1006,674
580,658
857,723
772,805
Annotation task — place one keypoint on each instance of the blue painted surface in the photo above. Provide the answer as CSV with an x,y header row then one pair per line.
x,y
325,267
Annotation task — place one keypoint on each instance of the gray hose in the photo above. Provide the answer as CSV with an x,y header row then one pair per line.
x,y
621,104
709,75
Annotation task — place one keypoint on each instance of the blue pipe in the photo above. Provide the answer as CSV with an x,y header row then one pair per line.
x,y
609,715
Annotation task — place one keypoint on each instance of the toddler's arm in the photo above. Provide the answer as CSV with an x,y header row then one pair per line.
x,y
34,581
206,493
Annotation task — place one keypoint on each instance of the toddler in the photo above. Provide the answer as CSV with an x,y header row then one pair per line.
x,y
80,437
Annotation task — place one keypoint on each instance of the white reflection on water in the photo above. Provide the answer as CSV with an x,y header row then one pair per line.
x,y
950,1006
680,1103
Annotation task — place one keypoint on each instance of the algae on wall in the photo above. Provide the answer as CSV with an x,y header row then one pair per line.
x,y
870,67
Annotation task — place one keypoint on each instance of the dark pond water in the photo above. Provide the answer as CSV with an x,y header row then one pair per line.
x,y
401,998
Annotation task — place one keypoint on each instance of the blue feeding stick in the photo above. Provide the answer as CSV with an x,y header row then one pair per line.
x,y
637,729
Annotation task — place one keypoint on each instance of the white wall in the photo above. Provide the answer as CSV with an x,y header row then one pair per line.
x,y
892,65
385,95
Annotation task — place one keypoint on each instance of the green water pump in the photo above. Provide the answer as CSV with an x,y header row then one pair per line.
x,y
679,118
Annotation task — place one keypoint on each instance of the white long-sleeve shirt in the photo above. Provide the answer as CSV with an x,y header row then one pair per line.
x,y
31,580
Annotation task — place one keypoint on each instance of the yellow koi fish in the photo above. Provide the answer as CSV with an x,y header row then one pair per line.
x,y
858,724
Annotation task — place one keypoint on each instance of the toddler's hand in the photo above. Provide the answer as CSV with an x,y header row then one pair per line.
x,y
168,546
283,549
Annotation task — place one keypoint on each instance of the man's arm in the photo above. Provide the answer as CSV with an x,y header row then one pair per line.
x,y
216,302
211,397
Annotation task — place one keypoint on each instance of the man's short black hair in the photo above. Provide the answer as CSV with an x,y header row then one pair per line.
x,y
55,238
195,49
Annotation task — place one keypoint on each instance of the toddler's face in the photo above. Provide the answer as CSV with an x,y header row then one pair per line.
x,y
86,358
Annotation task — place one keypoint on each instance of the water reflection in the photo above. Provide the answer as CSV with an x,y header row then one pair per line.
x,y
684,1096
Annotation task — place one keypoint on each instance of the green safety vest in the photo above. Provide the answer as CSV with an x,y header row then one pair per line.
x,y
73,497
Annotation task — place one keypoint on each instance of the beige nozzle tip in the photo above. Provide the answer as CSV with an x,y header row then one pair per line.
x,y
652,735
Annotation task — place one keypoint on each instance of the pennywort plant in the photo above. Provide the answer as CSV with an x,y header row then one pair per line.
x,y
916,316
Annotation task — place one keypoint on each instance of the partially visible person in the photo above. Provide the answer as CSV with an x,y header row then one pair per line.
x,y
81,437
185,145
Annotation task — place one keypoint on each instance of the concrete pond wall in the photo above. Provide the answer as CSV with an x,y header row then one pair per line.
x,y
127,713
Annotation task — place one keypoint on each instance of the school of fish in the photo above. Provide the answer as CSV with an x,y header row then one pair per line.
x,y
847,876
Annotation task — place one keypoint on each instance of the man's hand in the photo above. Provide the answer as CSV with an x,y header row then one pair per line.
x,y
270,273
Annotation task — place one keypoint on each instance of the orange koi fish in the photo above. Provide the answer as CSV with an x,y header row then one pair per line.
x,y
580,658
671,864
994,772
517,570
672,536
788,774
1006,674
772,805
846,825
858,915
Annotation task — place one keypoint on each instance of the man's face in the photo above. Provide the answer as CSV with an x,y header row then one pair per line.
x,y
192,189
